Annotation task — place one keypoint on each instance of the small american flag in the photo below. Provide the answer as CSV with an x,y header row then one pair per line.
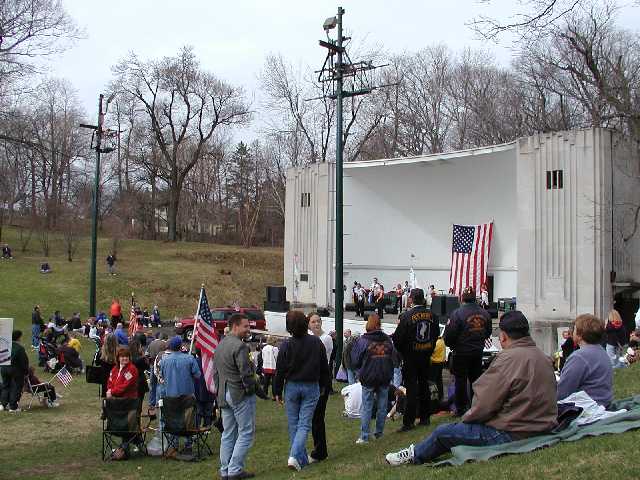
x,y
64,377
471,245
206,339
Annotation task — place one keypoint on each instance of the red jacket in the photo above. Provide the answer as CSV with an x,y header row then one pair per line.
x,y
123,384
116,309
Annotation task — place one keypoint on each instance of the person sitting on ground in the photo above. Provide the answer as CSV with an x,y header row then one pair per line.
x,y
372,356
568,347
589,368
514,399
617,338
12,375
58,319
72,359
121,335
6,252
45,268
47,390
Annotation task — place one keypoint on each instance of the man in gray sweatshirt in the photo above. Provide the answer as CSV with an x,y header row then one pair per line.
x,y
236,386
588,369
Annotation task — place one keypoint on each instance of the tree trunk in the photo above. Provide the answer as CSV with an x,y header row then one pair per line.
x,y
172,213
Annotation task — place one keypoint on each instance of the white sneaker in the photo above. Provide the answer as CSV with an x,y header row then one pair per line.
x,y
293,464
1,408
311,460
361,441
54,404
17,410
400,458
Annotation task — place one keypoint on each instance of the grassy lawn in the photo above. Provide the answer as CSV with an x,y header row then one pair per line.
x,y
65,442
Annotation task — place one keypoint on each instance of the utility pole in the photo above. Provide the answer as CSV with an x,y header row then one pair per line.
x,y
98,132
338,67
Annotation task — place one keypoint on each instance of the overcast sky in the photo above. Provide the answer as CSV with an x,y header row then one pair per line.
x,y
232,38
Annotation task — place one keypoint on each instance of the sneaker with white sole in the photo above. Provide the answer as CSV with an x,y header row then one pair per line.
x,y
402,457
17,410
1,408
293,464
311,460
361,441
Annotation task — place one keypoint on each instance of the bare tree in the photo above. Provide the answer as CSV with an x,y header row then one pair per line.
x,y
185,106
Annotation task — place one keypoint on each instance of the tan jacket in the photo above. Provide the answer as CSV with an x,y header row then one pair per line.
x,y
517,393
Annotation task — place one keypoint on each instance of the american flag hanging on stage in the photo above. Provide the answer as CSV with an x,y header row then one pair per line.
x,y
470,249
206,339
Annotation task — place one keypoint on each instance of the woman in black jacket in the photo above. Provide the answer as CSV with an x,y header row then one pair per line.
x,y
106,360
302,365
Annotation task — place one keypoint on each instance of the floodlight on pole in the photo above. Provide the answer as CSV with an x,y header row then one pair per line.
x,y
330,23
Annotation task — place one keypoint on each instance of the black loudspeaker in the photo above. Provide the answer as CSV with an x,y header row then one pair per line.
x,y
437,305
276,306
276,294
450,304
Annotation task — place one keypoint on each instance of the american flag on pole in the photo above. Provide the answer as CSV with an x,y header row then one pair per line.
x,y
133,319
64,377
470,249
206,339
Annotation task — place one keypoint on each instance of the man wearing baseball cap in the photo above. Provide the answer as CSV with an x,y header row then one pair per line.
x,y
514,399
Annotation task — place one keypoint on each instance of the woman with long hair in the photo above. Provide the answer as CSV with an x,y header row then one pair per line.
x,y
303,371
106,360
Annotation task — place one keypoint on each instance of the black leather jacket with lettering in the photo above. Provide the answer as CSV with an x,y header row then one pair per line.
x,y
468,328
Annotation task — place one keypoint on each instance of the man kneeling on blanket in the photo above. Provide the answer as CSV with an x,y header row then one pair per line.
x,y
514,399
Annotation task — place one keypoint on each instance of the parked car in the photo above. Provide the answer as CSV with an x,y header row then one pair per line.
x,y
221,315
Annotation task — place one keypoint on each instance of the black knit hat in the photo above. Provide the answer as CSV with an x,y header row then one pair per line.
x,y
514,321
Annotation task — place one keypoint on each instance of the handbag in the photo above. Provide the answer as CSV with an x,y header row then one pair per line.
x,y
94,374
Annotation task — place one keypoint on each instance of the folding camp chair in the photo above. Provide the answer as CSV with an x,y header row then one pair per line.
x,y
178,417
120,419
38,391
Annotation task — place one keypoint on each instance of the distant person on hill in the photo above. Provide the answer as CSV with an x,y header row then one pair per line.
x,y
6,252
13,375
589,368
116,313
111,263
45,268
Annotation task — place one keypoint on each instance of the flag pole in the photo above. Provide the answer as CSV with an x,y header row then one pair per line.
x,y
195,324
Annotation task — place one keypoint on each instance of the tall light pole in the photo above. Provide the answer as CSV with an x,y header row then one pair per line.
x,y
339,292
338,66
99,132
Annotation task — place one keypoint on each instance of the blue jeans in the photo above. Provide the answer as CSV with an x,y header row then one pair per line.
x,y
35,335
351,376
450,435
379,395
239,422
397,377
300,399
